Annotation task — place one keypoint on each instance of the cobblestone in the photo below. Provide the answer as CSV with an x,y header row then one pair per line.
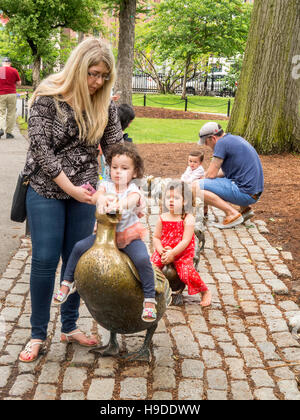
x,y
241,391
134,388
190,389
232,350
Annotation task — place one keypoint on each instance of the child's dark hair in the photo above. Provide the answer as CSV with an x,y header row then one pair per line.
x,y
186,193
197,153
126,115
129,150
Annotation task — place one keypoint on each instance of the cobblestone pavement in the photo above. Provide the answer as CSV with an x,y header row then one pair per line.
x,y
232,350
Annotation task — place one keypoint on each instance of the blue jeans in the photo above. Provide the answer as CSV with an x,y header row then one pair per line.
x,y
227,190
136,251
55,227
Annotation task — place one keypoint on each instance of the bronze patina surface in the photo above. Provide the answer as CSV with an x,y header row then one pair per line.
x,y
108,282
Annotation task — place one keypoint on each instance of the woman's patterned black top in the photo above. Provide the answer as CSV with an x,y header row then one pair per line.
x,y
55,146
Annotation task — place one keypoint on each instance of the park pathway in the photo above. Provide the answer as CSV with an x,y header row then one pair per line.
x,y
233,350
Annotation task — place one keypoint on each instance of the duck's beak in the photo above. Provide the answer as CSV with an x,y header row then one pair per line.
x,y
112,218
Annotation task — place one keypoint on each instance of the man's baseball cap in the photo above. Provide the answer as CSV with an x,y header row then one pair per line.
x,y
208,129
6,60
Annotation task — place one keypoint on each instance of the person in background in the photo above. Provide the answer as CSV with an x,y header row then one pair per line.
x,y
9,79
195,171
126,116
234,176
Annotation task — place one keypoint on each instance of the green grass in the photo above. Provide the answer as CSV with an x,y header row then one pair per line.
x,y
152,130
195,103
22,123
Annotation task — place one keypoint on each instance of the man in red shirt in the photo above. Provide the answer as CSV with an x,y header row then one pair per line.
x,y
9,78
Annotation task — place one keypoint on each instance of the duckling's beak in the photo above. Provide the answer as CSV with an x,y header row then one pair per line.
x,y
114,217
111,218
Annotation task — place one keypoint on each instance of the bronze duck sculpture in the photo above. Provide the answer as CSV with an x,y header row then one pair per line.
x,y
109,284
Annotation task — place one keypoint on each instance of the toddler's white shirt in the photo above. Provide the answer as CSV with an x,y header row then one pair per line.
x,y
190,176
129,216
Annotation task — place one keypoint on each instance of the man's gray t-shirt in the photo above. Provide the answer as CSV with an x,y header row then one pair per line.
x,y
241,163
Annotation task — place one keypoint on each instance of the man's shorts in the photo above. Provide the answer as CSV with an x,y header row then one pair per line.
x,y
227,190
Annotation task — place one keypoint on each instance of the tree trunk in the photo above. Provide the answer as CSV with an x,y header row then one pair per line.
x,y
126,50
266,107
186,69
36,71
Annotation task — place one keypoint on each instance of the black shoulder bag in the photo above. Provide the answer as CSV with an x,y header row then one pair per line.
x,y
18,207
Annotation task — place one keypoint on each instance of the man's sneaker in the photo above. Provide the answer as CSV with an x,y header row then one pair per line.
x,y
1,132
247,213
10,136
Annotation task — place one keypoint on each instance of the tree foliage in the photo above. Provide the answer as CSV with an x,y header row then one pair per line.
x,y
199,27
185,32
38,22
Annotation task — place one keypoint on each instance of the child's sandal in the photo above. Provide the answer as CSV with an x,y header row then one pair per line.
x,y
149,314
60,297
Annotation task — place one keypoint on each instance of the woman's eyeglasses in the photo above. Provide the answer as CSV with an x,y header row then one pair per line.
x,y
98,76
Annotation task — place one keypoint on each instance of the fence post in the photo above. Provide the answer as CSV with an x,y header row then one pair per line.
x,y
228,108
23,106
144,99
26,106
185,103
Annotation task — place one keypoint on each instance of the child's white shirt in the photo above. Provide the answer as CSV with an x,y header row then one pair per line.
x,y
129,216
191,175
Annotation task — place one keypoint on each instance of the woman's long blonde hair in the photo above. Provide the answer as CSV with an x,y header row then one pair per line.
x,y
70,85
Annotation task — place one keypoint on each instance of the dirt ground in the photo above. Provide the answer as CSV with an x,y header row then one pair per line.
x,y
279,204
151,112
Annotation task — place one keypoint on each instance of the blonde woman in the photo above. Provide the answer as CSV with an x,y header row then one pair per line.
x,y
71,114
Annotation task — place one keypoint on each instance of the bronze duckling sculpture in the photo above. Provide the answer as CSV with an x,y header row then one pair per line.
x,y
109,284
177,286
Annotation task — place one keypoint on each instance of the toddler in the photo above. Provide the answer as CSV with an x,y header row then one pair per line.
x,y
174,239
120,193
195,171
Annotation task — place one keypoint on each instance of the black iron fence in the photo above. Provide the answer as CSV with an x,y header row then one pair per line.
x,y
147,101
222,108
25,107
216,85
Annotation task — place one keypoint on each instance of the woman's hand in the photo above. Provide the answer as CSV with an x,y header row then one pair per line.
x,y
81,194
78,193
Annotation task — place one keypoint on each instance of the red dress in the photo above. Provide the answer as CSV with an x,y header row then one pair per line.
x,y
172,233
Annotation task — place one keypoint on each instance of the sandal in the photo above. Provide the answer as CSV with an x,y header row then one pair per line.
x,y
247,213
70,339
149,314
60,297
28,351
229,222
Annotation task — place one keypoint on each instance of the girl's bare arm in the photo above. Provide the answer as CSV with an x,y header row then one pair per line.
x,y
157,237
130,202
99,194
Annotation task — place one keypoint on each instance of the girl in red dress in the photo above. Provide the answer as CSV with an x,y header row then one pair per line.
x,y
174,239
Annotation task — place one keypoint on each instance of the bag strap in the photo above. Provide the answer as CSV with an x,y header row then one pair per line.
x,y
27,177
